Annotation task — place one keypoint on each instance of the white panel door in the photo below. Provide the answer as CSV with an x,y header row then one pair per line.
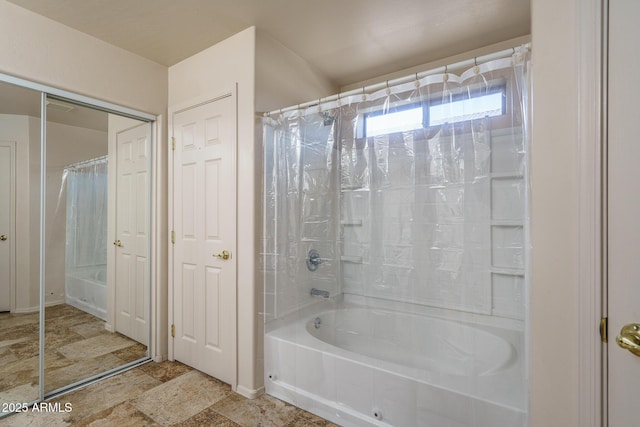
x,y
132,233
623,210
204,212
7,237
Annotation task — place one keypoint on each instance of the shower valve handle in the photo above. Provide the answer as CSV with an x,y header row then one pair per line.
x,y
117,243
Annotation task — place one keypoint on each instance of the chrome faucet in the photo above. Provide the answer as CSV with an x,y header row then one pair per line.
x,y
319,293
313,260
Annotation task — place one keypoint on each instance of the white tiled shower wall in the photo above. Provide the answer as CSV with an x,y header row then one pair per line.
x,y
437,221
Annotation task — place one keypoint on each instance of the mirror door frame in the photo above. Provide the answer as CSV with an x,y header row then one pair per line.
x,y
153,252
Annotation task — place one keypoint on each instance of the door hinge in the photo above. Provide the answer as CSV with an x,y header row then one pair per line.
x,y
173,237
173,331
173,143
604,327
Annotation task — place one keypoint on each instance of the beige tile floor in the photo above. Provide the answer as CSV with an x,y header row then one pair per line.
x,y
165,394
77,346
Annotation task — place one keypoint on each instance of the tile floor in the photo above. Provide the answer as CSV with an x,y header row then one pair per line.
x,y
77,346
165,394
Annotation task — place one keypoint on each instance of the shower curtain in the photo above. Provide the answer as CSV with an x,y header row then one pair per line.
x,y
86,243
413,201
414,193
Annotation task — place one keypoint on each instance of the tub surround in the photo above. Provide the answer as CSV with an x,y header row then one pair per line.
x,y
380,368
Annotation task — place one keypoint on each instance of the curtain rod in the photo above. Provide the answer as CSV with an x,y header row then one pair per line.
x,y
87,162
416,76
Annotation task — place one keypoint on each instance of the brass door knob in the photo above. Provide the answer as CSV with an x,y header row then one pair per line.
x,y
629,338
225,255
117,243
3,237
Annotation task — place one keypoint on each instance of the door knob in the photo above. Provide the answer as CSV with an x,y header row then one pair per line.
x,y
629,338
3,237
225,255
117,243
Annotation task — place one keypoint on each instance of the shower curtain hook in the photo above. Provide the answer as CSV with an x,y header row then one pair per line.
x,y
388,91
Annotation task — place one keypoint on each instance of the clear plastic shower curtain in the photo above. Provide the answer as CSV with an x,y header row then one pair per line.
x,y
415,198
86,208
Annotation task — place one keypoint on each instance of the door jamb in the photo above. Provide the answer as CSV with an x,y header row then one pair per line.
x,y
592,54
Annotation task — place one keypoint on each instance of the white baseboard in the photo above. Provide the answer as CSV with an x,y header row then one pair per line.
x,y
26,310
160,358
249,393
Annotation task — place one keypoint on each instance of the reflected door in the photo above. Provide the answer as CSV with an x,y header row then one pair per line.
x,y
204,267
132,228
623,213
6,223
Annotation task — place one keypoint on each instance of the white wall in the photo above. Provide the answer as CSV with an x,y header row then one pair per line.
x,y
283,78
44,51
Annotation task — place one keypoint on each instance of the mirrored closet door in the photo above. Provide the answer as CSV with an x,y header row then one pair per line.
x,y
19,243
97,242
74,240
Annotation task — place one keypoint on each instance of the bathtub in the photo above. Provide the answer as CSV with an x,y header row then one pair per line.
x,y
86,289
371,365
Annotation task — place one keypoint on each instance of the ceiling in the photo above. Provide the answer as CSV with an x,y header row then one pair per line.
x,y
345,40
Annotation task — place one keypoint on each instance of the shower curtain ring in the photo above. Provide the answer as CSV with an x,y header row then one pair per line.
x,y
475,60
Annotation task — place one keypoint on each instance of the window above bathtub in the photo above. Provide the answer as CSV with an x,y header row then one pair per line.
x,y
461,107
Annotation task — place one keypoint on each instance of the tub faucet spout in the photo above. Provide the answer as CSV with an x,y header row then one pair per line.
x,y
319,293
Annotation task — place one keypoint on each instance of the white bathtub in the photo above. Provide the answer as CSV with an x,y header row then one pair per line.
x,y
86,289
375,366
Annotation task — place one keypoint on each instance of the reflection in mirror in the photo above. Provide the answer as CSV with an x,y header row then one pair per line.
x,y
97,220
19,243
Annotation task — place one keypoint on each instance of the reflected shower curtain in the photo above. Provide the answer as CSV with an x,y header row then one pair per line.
x,y
86,214
86,236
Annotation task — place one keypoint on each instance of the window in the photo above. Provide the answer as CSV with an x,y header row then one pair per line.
x,y
397,121
417,116
476,107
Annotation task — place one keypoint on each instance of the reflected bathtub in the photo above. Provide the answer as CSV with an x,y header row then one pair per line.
x,y
86,289
373,365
